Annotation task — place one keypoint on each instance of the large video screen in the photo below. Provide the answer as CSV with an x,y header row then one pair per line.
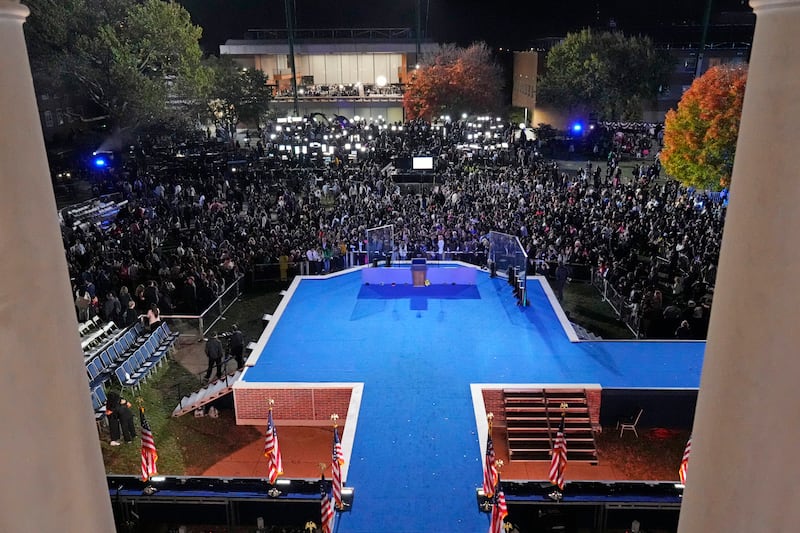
x,y
422,163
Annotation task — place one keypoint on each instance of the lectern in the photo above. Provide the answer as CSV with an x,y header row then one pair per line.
x,y
419,269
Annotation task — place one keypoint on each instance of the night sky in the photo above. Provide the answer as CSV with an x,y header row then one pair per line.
x,y
512,24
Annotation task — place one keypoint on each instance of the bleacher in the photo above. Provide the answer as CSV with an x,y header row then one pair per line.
x,y
98,211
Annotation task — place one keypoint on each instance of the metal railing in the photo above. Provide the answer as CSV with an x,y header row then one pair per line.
x,y
211,315
625,311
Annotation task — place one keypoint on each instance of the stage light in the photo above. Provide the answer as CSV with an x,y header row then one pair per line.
x,y
484,503
577,127
347,499
100,162
463,115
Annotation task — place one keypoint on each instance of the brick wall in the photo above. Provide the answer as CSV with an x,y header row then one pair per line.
x,y
493,399
301,406
593,399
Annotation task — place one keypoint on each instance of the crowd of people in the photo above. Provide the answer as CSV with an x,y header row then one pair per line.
x,y
192,225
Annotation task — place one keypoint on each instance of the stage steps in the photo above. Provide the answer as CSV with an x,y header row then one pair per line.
x,y
210,392
532,420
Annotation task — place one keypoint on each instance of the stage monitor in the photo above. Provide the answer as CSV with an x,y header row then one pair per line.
x,y
422,163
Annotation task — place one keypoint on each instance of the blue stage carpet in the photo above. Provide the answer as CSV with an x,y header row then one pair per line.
x,y
416,458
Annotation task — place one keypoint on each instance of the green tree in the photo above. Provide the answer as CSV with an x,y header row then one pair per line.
x,y
138,61
236,94
454,81
700,137
604,73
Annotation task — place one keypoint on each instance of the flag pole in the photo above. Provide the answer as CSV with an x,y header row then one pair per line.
x,y
336,467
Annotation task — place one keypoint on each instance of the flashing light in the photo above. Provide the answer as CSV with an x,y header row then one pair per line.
x,y
577,127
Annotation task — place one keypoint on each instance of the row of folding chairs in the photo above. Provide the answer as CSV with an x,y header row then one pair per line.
x,y
103,366
99,401
96,338
85,327
146,358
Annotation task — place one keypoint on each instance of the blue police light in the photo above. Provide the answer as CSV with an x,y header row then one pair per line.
x,y
100,162
577,127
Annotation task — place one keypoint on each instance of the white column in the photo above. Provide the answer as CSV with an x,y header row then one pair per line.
x,y
51,468
744,471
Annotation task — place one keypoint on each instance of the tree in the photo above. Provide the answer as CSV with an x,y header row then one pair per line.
x,y
700,137
138,61
236,94
454,81
603,73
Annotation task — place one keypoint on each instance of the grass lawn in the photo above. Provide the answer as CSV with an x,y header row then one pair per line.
x,y
186,445
583,305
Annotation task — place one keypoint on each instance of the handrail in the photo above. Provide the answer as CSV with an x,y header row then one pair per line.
x,y
216,303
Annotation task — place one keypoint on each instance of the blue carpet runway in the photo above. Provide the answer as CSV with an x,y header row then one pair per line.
x,y
416,458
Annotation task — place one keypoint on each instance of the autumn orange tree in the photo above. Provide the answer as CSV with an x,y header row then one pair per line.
x,y
454,81
700,137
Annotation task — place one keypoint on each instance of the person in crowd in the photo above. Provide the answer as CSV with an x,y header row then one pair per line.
x,y
562,275
153,318
215,355
684,331
120,417
83,303
236,346
131,315
112,309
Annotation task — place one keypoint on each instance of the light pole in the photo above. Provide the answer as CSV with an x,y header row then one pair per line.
x,y
290,32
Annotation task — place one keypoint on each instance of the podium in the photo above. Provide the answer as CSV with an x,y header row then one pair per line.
x,y
419,269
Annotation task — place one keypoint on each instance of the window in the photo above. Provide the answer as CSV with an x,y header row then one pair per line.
x,y
48,119
59,117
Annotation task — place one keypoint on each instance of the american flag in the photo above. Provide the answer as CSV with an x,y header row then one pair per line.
x,y
149,452
499,509
558,463
685,461
272,451
489,468
336,469
327,511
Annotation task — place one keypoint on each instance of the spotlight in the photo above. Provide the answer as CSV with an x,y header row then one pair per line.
x,y
577,127
347,498
484,503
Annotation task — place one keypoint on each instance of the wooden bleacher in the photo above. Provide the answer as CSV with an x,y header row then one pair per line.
x,y
532,420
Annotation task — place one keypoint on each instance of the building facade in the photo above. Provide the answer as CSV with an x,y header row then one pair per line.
x,y
352,72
